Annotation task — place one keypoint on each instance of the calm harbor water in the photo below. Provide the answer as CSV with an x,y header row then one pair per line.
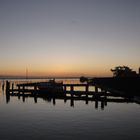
x,y
58,119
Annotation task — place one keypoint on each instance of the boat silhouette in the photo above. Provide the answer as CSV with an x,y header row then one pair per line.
x,y
50,87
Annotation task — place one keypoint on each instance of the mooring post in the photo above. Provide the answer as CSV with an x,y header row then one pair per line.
x,y
65,88
23,89
102,104
65,100
3,86
54,102
71,88
12,88
35,87
18,89
35,98
96,103
7,87
7,91
105,101
86,101
96,89
23,98
72,103
87,88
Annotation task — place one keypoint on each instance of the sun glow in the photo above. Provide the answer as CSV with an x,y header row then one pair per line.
x,y
69,41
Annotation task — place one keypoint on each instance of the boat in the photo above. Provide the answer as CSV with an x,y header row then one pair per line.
x,y
50,87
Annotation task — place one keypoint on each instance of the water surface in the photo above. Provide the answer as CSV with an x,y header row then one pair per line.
x,y
60,119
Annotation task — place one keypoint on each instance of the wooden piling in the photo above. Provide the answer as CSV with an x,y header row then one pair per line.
x,y
7,87
71,88
72,103
35,87
65,88
3,86
7,92
12,87
54,102
87,88
35,99
96,89
18,89
86,101
96,104
102,104
23,90
23,98
71,94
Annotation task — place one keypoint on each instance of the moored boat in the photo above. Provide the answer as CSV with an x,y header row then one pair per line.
x,y
50,87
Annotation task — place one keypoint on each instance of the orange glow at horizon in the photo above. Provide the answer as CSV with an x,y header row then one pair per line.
x,y
58,71
62,69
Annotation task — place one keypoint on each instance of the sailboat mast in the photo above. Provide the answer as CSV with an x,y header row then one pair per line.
x,y
26,73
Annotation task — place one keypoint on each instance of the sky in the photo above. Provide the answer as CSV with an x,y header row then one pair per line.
x,y
68,37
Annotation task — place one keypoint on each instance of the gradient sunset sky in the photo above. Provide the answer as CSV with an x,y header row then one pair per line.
x,y
68,37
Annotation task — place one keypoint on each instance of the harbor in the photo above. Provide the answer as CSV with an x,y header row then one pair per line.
x,y
101,91
70,69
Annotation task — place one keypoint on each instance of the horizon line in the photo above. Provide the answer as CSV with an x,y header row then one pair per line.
x,y
46,77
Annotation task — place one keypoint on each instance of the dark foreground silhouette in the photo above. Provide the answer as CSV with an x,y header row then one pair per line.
x,y
124,81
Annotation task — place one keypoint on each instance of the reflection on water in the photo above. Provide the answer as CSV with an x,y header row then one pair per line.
x,y
100,101
38,117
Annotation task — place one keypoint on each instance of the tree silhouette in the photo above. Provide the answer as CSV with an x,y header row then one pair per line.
x,y
123,71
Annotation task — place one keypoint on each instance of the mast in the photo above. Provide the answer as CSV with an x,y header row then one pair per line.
x,y
26,73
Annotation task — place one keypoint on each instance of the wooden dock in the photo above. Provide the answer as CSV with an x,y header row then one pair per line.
x,y
118,87
31,88
68,90
99,94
